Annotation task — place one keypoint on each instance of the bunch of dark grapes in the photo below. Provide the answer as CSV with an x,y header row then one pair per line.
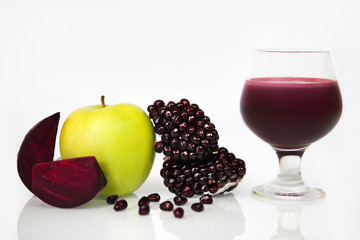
x,y
186,133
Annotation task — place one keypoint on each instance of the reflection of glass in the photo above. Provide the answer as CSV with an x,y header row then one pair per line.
x,y
92,221
288,223
290,99
289,214
221,220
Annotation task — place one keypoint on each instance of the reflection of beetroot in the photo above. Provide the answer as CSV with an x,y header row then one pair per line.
x,y
95,220
68,183
37,147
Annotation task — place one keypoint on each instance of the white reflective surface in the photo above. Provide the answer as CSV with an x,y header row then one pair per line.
x,y
97,220
235,215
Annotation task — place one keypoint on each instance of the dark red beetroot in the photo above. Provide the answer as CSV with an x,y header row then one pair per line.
x,y
68,183
37,147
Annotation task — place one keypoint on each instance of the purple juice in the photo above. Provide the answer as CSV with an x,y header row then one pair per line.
x,y
289,112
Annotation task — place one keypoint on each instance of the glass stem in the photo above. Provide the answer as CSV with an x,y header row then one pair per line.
x,y
289,175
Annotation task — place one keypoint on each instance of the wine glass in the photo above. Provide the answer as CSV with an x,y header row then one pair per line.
x,y
290,99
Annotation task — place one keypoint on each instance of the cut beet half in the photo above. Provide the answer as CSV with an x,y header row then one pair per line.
x,y
37,147
68,183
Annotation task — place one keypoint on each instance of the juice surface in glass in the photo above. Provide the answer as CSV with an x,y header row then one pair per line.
x,y
291,112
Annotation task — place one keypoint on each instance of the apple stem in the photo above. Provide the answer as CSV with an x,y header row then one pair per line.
x,y
103,101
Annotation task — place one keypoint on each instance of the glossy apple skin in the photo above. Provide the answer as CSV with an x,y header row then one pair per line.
x,y
121,137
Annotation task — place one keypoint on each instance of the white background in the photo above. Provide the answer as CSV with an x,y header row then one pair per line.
x,y
62,55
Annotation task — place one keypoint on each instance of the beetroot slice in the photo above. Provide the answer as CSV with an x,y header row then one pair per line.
x,y
37,147
68,183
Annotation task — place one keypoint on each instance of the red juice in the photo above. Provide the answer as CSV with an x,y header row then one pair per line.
x,y
289,112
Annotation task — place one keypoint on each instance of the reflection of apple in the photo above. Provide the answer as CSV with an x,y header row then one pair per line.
x,y
121,137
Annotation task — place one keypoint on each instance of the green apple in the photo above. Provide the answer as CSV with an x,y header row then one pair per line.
x,y
120,136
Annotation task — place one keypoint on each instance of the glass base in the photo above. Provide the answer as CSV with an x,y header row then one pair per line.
x,y
275,192
288,185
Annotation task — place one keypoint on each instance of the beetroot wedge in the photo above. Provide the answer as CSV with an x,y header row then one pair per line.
x,y
68,183
37,147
